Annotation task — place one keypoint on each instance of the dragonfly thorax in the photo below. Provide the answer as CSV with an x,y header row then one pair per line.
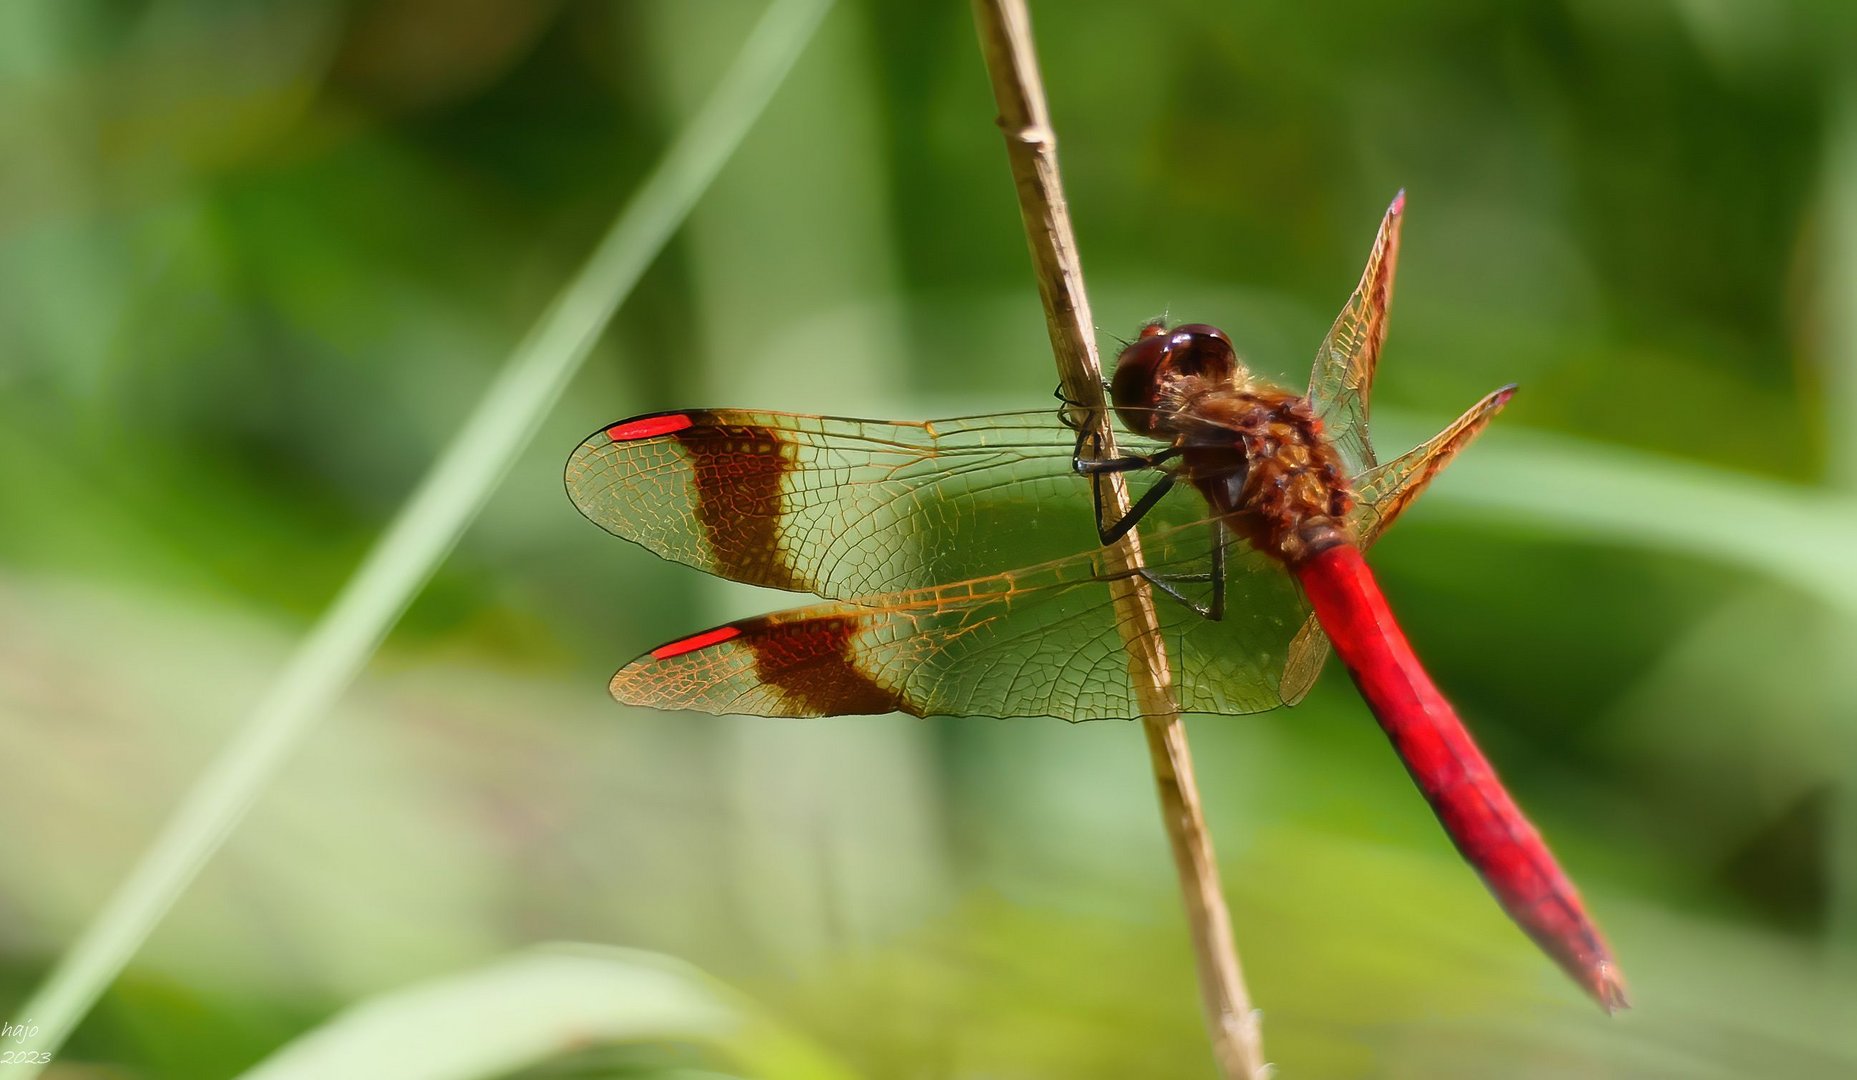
x,y
1255,451
1294,497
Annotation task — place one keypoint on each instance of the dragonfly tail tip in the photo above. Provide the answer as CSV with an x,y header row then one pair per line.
x,y
1608,987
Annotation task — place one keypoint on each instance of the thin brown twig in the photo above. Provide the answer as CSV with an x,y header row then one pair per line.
x,y
1006,39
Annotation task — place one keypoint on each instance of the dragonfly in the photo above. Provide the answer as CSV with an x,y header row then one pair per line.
x,y
945,556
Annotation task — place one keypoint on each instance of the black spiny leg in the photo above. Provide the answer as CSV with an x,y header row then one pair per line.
x,y
1147,502
1097,468
1214,610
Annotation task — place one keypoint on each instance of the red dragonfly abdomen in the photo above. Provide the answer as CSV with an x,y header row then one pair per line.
x,y
1489,830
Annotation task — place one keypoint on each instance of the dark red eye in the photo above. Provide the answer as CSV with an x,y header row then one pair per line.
x,y
1136,381
1200,329
1199,349
1157,362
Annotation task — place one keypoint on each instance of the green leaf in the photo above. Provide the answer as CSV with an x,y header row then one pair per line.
x,y
538,1005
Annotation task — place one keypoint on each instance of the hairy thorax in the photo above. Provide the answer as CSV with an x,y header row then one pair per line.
x,y
1258,456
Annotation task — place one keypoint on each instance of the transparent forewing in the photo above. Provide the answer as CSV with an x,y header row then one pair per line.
x,y
1041,641
841,507
1342,380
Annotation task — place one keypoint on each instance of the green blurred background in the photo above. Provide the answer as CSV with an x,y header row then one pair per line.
x,y
258,259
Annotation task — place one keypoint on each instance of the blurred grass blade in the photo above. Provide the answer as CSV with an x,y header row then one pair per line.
x,y
539,1005
425,529
1837,305
1613,495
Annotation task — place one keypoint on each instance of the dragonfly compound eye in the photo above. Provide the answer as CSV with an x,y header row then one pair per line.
x,y
1136,386
1161,365
1202,350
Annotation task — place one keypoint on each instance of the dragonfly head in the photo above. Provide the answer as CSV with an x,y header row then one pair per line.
x,y
1161,368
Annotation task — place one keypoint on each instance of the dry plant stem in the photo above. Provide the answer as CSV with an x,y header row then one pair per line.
x,y
1006,39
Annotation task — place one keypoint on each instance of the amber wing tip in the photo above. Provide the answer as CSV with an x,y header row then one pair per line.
x,y
1399,204
1503,394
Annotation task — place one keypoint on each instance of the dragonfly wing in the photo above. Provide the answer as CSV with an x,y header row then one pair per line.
x,y
1307,653
840,507
1381,494
1342,379
1039,641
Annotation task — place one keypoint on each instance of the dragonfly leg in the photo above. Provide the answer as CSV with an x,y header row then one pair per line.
x,y
1109,534
1219,540
1166,585
1094,466
1214,609
1073,415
